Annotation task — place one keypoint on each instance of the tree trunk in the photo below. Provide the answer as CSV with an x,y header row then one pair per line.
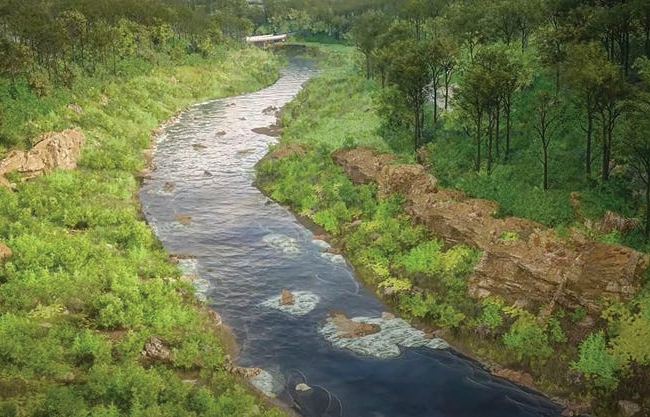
x,y
435,106
508,105
490,136
477,164
545,165
497,135
647,205
605,159
590,130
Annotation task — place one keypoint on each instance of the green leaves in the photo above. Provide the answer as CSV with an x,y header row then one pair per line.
x,y
596,362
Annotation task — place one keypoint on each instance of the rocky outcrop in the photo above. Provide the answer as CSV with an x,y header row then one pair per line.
x,y
523,261
242,371
53,150
155,349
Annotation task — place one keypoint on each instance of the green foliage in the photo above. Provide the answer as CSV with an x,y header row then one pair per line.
x,y
424,258
492,313
395,285
88,283
526,338
508,236
595,362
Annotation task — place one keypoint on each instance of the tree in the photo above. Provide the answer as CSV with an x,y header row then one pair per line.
x,y
475,98
610,103
586,70
547,119
366,31
594,361
637,138
410,73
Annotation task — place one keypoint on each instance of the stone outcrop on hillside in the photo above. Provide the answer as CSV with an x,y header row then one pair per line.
x,y
53,150
523,261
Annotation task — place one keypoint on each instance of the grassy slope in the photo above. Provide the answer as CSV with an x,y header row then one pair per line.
x,y
88,283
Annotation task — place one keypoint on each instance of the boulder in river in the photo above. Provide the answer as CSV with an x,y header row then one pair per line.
x,y
392,333
303,303
286,298
348,328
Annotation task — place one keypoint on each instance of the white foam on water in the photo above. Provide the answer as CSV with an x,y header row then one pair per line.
x,y
386,343
334,258
282,242
304,302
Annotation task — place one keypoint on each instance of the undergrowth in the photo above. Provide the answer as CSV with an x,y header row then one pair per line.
x,y
88,284
426,280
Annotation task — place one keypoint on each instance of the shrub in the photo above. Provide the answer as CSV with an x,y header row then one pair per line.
x,y
595,362
527,339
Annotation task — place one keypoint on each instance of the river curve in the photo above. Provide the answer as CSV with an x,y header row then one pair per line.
x,y
200,201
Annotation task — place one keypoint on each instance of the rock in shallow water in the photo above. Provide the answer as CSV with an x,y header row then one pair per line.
x,y
386,343
321,244
304,302
334,258
282,242
286,298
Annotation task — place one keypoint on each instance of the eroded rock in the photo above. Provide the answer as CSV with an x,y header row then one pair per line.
x,y
303,303
533,266
521,378
246,372
348,328
286,298
383,336
155,349
53,150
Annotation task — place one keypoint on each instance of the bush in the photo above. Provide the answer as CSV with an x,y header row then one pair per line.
x,y
527,339
596,363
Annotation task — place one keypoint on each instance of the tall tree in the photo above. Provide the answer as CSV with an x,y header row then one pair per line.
x,y
366,32
547,118
410,73
586,71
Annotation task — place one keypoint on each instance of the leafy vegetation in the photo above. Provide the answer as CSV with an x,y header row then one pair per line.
x,y
419,275
88,284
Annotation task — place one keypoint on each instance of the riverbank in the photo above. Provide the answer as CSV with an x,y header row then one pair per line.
x,y
111,326
424,277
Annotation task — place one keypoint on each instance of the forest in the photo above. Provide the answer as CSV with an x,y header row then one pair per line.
x,y
541,106
535,104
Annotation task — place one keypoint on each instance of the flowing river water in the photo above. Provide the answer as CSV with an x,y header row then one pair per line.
x,y
245,249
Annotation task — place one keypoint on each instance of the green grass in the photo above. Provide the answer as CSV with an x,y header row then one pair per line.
x,y
88,283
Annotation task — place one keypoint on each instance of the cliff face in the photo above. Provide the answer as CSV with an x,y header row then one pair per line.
x,y
523,261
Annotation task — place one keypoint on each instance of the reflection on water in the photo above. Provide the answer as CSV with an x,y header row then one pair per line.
x,y
245,251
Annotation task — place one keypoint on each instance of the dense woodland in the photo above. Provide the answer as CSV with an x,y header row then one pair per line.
x,y
542,106
537,99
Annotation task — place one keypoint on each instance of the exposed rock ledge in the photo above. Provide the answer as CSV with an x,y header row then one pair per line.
x,y
533,266
53,150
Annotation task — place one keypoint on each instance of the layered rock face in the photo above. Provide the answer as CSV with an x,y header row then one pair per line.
x,y
53,150
523,261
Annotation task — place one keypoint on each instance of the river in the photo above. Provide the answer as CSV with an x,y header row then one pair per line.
x,y
200,201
